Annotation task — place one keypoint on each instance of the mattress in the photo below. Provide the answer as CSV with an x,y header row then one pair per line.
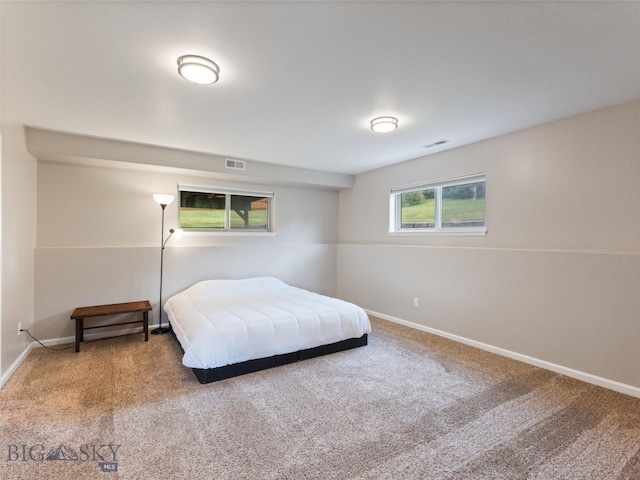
x,y
223,322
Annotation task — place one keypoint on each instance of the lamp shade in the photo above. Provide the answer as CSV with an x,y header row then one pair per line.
x,y
163,198
384,124
198,69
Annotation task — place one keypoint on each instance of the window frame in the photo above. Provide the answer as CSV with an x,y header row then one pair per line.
x,y
228,193
395,207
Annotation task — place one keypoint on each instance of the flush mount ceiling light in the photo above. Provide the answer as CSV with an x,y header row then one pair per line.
x,y
198,69
384,124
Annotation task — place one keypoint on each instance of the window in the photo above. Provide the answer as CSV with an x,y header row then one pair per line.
x,y
454,205
204,209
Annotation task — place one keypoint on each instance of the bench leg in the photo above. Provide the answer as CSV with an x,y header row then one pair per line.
x,y
145,325
79,332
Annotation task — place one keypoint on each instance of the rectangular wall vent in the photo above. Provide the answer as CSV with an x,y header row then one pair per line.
x,y
437,144
234,164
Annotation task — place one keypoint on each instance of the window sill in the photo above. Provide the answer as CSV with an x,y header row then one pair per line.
x,y
228,233
441,232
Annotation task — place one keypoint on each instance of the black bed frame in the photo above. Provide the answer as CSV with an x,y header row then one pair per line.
x,y
208,375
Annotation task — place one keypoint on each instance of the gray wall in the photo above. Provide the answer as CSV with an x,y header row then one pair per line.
x,y
555,279
17,229
557,276
98,241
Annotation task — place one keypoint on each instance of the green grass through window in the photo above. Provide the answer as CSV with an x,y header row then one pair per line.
x,y
215,218
453,210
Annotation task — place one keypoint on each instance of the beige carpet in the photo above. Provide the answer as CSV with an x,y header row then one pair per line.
x,y
407,406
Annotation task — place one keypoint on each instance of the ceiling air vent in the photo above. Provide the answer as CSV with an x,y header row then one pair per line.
x,y
233,164
437,144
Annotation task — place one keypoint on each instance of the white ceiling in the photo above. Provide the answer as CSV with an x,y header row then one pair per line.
x,y
300,81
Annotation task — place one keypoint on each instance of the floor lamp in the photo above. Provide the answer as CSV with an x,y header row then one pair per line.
x,y
163,200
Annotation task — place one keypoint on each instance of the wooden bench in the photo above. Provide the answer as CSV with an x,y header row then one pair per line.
x,y
80,313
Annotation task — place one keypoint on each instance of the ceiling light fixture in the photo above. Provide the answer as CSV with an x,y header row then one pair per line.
x,y
384,124
198,69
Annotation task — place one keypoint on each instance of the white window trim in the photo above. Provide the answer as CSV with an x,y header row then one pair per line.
x,y
395,208
201,232
271,225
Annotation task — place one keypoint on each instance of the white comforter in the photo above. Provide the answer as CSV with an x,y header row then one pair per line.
x,y
221,322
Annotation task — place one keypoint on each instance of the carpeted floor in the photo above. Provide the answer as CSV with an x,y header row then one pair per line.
x,y
407,406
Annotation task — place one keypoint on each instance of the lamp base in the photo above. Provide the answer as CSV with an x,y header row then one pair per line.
x,y
160,330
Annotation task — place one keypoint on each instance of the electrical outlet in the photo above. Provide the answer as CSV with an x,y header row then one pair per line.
x,y
416,302
19,328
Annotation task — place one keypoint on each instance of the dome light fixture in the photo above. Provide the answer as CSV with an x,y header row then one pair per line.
x,y
198,69
384,124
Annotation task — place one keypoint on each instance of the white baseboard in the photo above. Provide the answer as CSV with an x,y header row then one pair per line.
x,y
569,372
14,366
52,342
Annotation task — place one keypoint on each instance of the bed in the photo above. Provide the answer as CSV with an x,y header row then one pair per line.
x,y
227,328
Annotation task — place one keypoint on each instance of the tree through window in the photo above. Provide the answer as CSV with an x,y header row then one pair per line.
x,y
220,210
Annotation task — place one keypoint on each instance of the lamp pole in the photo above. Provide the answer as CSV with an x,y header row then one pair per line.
x,y
160,329
163,200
